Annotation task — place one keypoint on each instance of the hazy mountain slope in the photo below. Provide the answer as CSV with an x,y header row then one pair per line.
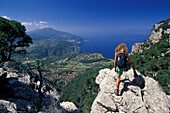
x,y
50,33
51,47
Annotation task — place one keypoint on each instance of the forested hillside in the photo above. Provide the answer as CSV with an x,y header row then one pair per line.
x,y
154,58
82,90
51,47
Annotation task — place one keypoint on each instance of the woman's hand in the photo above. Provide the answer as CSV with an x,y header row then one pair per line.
x,y
131,62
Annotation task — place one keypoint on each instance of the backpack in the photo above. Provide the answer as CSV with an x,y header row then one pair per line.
x,y
121,60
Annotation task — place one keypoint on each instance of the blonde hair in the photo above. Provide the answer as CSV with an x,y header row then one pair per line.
x,y
121,48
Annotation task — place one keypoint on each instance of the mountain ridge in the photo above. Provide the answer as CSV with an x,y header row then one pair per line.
x,y
50,33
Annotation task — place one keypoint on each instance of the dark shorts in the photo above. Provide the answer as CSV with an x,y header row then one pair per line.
x,y
119,71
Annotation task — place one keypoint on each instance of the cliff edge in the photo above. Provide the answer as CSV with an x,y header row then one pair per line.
x,y
19,92
139,95
158,31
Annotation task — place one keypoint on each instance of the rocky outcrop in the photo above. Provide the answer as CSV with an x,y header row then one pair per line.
x,y
69,106
158,30
19,91
137,48
137,95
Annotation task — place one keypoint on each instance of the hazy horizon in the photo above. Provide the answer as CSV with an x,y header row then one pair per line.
x,y
83,17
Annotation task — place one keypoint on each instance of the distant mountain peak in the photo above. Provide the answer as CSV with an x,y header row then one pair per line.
x,y
48,29
51,33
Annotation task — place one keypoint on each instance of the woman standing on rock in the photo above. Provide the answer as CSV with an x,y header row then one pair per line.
x,y
122,63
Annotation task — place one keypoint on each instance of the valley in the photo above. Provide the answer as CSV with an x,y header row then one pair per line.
x,y
63,59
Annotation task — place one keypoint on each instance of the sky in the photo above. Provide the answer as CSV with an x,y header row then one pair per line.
x,y
88,16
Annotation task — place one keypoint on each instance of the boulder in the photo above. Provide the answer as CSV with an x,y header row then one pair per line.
x,y
137,95
70,106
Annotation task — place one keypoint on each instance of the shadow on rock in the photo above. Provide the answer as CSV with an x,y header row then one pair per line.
x,y
18,93
21,96
138,81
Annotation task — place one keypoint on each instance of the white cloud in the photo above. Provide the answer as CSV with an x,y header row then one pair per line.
x,y
26,23
43,22
41,26
6,17
35,25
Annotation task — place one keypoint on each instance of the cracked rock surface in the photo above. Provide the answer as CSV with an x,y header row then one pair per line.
x,y
137,95
19,93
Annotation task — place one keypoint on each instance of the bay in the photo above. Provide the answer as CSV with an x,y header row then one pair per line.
x,y
107,44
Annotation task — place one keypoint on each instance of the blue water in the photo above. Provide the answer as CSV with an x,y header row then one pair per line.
x,y
107,44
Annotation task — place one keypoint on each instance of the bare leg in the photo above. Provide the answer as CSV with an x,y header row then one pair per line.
x,y
117,83
133,67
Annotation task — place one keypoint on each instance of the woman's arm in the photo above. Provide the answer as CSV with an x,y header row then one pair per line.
x,y
131,62
115,61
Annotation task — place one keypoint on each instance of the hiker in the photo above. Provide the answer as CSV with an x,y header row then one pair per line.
x,y
122,63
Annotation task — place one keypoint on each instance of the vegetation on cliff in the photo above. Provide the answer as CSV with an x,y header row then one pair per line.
x,y
13,39
82,90
154,61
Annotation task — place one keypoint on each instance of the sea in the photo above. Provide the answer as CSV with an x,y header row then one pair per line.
x,y
107,44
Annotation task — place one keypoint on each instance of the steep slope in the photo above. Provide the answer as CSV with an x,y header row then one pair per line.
x,y
138,95
50,33
82,90
159,31
152,57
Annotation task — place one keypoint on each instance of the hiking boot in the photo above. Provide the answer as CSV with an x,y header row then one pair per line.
x,y
135,74
116,92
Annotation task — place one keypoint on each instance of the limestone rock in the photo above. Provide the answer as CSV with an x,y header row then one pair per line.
x,y
70,106
154,37
6,107
137,48
137,95
19,91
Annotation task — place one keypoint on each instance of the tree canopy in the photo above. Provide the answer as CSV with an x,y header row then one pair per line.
x,y
13,39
